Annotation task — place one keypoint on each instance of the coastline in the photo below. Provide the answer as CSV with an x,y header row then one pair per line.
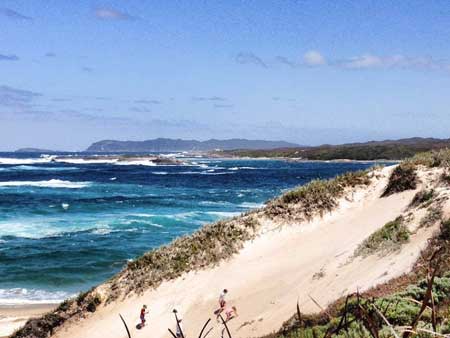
x,y
299,159
13,317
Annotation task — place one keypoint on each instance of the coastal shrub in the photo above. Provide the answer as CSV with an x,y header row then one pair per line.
x,y
65,305
403,177
41,327
433,215
432,159
81,297
389,237
445,231
422,198
318,196
92,302
206,247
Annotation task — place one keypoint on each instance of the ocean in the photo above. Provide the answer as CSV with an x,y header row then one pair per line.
x,y
69,224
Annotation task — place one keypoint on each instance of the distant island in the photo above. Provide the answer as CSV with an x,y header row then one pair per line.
x,y
36,150
373,150
167,144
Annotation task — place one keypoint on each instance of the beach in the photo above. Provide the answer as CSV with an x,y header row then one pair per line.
x,y
310,262
14,316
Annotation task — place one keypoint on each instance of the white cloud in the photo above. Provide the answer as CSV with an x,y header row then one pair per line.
x,y
314,58
111,14
364,61
370,61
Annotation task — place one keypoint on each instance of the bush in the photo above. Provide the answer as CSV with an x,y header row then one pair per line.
x,y
434,214
403,178
389,237
422,198
92,302
445,231
432,159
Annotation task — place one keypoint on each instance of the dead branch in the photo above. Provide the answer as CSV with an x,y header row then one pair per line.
x,y
226,326
204,327
125,324
320,307
386,321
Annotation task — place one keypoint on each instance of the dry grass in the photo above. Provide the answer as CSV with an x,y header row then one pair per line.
x,y
432,159
316,197
206,247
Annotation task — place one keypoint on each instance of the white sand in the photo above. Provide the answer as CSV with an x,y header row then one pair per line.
x,y
268,276
13,317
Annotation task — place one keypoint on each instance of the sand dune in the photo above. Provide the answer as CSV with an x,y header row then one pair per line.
x,y
284,263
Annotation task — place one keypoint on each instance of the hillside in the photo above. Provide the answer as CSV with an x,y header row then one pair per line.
x,y
374,150
166,144
314,244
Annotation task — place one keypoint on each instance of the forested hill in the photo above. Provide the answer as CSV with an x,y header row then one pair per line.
x,y
167,144
374,150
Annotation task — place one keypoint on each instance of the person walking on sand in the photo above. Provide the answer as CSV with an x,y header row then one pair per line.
x,y
222,303
143,313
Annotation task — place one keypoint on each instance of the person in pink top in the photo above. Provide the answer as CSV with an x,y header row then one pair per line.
x,y
230,313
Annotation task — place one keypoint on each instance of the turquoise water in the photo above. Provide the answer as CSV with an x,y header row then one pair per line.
x,y
66,226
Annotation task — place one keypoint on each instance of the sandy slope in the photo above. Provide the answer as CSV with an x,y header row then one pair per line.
x,y
268,276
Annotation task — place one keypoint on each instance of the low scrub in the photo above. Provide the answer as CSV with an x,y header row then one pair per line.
x,y
206,247
403,177
434,214
358,317
432,159
423,198
316,197
389,237
45,326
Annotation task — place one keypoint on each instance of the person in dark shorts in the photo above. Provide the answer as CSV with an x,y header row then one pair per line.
x,y
143,313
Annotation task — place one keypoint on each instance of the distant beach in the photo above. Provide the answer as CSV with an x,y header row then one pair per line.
x,y
14,316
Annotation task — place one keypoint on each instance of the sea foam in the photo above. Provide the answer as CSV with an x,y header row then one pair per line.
x,y
54,183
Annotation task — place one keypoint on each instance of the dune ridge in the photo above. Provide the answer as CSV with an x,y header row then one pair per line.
x,y
272,258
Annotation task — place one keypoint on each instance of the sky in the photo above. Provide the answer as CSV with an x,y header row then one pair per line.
x,y
310,72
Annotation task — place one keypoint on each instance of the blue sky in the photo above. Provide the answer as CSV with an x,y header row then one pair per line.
x,y
311,72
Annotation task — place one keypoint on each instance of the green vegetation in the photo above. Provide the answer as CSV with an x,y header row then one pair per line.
x,y
433,215
44,327
383,150
423,198
403,178
206,247
432,159
399,308
318,196
389,237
